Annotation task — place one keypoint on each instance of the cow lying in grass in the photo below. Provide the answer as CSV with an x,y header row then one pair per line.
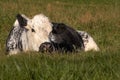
x,y
28,34
64,38
39,34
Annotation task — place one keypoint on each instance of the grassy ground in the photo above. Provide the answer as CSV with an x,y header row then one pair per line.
x,y
100,18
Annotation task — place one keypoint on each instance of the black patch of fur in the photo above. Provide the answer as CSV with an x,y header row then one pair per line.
x,y
22,21
67,38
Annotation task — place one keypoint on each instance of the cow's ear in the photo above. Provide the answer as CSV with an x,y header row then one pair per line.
x,y
22,21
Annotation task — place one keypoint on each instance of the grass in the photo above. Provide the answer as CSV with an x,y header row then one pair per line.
x,y
61,67
100,18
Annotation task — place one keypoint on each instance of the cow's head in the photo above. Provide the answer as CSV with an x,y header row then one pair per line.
x,y
37,29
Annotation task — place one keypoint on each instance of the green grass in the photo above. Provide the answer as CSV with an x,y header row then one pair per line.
x,y
100,18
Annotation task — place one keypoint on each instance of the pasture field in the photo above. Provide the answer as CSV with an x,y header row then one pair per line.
x,y
100,18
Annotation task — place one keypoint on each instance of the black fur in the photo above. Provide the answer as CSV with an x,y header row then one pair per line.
x,y
22,21
65,38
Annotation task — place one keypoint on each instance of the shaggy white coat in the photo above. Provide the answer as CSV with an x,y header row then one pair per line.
x,y
32,40
42,27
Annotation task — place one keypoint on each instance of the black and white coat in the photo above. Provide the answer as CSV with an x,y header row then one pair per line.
x,y
67,36
28,34
88,41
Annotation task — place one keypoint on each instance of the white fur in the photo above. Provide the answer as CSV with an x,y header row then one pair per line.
x,y
89,42
31,40
42,27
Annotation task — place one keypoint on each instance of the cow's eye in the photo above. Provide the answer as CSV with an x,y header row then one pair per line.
x,y
32,30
